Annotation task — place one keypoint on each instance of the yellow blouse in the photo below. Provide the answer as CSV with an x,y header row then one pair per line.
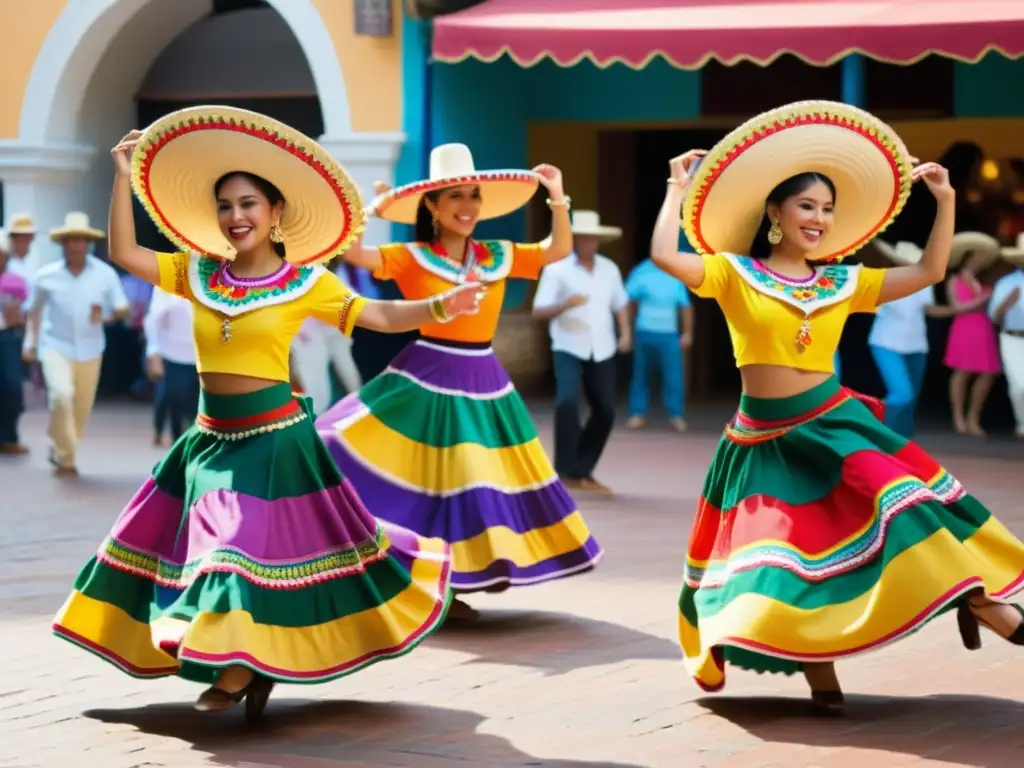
x,y
775,320
246,326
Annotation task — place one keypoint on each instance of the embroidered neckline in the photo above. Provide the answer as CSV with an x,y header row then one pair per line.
x,y
491,260
215,287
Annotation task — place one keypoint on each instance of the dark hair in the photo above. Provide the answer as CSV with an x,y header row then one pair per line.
x,y
794,185
272,193
424,231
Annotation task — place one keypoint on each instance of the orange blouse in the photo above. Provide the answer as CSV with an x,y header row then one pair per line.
x,y
422,270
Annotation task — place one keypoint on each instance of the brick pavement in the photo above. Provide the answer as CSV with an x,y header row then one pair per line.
x,y
583,673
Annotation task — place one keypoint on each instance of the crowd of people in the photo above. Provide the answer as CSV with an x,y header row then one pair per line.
x,y
282,539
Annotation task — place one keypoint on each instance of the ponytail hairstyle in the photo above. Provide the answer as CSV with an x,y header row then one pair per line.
x,y
269,191
760,248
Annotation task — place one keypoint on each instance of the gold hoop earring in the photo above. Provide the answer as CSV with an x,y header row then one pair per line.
x,y
775,234
276,236
434,223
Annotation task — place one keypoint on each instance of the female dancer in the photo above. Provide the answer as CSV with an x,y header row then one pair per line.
x,y
247,558
899,342
441,442
972,349
820,532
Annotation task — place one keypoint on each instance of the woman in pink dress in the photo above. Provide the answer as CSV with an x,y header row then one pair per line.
x,y
972,350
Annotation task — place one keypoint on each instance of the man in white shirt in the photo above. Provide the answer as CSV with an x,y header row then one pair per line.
x,y
1006,309
72,300
171,363
14,292
583,298
21,233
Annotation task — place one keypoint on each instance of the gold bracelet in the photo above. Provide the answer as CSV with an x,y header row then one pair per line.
x,y
438,312
681,183
565,202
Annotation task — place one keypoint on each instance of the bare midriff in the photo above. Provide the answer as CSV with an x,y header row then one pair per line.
x,y
775,381
233,384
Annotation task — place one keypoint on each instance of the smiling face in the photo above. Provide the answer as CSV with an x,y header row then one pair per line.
x,y
245,214
805,217
457,209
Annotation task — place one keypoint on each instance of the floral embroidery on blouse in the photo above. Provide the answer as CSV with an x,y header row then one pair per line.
x,y
829,284
491,261
215,287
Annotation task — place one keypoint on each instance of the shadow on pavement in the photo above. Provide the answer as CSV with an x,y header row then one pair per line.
x,y
553,643
969,730
341,734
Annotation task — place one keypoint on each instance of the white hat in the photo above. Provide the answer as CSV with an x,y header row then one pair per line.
x,y
589,223
862,156
985,247
903,253
21,224
76,224
451,165
1015,253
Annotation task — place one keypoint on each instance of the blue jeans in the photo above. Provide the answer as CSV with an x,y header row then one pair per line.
x,y
578,447
660,354
12,383
178,396
903,376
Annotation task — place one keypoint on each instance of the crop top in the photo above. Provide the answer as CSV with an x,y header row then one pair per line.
x,y
778,320
422,270
245,326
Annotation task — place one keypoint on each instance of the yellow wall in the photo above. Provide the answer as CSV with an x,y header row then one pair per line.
x,y
573,148
998,138
28,24
371,66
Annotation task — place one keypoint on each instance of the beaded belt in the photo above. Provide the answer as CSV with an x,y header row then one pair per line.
x,y
248,426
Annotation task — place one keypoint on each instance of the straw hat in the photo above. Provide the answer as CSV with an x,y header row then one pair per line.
x,y
902,254
986,248
864,158
76,224
181,156
589,223
1015,253
21,224
451,165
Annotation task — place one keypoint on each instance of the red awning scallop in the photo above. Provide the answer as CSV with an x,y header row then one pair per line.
x,y
688,33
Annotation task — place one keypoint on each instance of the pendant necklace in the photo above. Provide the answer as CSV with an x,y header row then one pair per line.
x,y
246,284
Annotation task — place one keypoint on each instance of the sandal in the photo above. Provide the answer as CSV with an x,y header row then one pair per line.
x,y
256,695
969,621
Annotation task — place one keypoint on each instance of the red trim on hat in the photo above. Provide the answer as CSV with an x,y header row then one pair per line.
x,y
422,187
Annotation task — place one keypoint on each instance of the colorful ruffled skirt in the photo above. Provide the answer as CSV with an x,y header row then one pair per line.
x,y
247,547
821,534
441,443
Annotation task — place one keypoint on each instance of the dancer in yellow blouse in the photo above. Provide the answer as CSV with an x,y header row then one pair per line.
x,y
820,532
441,442
247,558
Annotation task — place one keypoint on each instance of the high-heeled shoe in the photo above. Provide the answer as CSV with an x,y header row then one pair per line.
x,y
256,695
969,622
830,702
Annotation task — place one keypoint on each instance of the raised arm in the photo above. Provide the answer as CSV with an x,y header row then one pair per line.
x,y
124,250
903,281
688,267
558,244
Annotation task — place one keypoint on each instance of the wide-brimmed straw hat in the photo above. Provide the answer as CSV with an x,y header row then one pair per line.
x,y
1015,253
451,165
181,156
862,156
986,248
76,224
588,223
903,253
21,224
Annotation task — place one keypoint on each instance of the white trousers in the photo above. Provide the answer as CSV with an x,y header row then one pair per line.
x,y
314,354
1011,349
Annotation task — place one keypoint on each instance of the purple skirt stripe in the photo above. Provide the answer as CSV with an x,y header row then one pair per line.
x,y
462,370
505,572
272,532
460,516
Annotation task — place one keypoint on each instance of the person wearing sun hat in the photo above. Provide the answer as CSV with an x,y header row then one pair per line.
x,y
441,442
972,348
1006,309
247,558
820,532
899,341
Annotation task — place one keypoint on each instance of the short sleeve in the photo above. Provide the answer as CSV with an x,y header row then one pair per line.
x,y
634,285
394,260
548,289
867,290
174,273
334,303
717,275
527,260
619,297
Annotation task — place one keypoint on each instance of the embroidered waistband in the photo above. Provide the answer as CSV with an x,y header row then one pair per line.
x,y
257,424
745,430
